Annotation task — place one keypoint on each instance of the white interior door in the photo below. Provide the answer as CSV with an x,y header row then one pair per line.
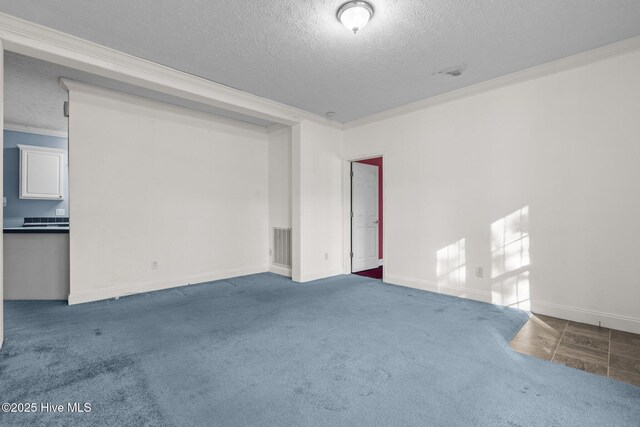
x,y
364,217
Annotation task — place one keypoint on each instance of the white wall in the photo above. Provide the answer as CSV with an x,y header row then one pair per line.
x,y
563,146
279,187
566,146
316,202
149,181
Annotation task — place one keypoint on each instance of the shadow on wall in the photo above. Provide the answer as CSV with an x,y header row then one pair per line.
x,y
510,241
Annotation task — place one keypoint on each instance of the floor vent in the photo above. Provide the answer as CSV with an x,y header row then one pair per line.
x,y
282,246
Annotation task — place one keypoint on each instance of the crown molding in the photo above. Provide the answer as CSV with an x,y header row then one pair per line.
x,y
44,43
554,67
35,130
76,86
275,128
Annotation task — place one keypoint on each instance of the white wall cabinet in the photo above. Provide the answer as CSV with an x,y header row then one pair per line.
x,y
41,173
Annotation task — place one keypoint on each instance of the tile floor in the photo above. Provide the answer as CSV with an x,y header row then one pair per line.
x,y
601,351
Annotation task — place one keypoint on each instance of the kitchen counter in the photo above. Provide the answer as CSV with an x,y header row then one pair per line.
x,y
46,230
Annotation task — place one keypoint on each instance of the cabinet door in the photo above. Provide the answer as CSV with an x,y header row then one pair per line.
x,y
41,173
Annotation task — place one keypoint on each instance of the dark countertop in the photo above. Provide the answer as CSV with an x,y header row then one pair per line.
x,y
41,230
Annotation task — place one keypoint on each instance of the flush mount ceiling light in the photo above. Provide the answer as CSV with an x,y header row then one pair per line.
x,y
355,15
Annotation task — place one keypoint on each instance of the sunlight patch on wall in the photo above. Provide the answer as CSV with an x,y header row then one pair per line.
x,y
451,267
512,291
510,241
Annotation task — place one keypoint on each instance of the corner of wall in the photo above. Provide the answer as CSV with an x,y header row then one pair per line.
x,y
296,178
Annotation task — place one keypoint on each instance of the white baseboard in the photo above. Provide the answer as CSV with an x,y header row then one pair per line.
x,y
425,285
308,277
142,287
282,271
607,320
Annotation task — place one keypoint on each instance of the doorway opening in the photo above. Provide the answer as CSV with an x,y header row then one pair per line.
x,y
35,181
367,218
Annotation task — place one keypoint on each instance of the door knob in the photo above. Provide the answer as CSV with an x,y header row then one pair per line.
x,y
376,221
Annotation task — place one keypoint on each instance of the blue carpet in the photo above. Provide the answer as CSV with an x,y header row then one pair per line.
x,y
261,350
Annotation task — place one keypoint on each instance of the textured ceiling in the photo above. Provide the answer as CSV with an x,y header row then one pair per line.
x,y
297,53
34,98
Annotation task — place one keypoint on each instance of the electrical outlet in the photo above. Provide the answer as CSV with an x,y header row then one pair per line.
x,y
479,272
154,265
60,212
326,256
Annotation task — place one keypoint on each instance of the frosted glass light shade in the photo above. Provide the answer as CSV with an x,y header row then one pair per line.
x,y
355,15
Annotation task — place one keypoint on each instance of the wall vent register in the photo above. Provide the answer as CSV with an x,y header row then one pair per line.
x,y
282,246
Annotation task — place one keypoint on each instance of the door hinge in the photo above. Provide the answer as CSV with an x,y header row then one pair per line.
x,y
351,254
351,174
351,214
